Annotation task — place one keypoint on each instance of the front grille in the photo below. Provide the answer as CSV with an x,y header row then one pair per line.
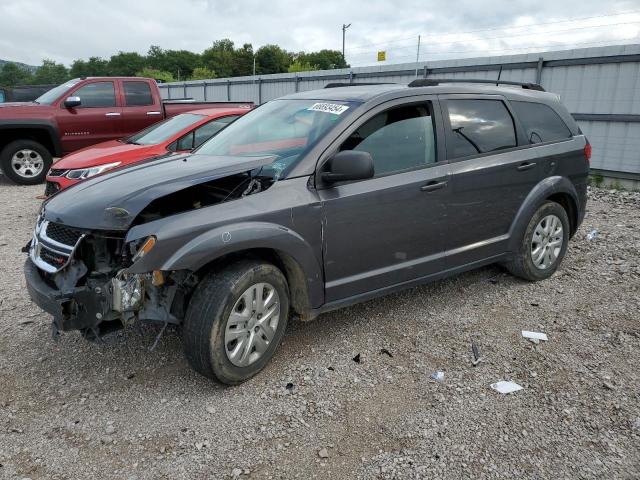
x,y
63,234
51,188
57,172
52,258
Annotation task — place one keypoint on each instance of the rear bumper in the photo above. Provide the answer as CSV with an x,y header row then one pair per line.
x,y
73,310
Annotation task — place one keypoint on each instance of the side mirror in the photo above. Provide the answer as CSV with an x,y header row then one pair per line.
x,y
347,165
72,102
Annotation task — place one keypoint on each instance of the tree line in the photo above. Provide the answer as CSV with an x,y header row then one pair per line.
x,y
222,59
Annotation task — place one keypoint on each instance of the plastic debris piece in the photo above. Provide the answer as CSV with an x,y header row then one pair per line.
x,y
505,387
356,358
535,337
386,352
437,376
592,234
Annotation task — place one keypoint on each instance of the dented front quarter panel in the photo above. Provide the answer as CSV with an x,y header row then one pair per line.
x,y
286,217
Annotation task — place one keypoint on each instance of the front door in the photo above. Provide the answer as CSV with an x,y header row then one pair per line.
x,y
95,120
390,229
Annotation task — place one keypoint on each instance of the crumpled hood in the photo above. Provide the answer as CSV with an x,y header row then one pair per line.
x,y
112,201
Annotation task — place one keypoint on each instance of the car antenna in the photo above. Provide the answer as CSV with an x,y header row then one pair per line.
x,y
499,74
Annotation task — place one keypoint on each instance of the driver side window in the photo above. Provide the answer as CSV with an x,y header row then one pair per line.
x,y
399,139
98,94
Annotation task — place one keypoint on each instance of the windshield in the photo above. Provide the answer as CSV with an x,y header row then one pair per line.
x,y
286,129
165,130
55,93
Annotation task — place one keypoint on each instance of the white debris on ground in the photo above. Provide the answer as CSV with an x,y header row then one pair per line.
x,y
77,410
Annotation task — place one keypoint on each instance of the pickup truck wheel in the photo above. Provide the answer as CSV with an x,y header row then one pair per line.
x,y
235,321
543,245
25,162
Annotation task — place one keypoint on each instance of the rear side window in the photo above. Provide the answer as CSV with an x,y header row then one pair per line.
x,y
398,139
137,94
479,126
98,94
541,122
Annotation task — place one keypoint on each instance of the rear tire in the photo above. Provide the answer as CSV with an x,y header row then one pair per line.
x,y
543,244
25,162
223,336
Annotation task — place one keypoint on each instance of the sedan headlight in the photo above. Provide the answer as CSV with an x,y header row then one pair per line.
x,y
140,248
82,173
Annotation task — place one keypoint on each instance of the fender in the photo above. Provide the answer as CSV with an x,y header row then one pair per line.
x,y
536,197
220,241
42,125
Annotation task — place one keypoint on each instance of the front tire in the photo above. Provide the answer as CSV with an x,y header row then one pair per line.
x,y
25,162
543,244
235,321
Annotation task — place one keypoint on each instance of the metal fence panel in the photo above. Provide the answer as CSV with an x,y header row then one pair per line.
x,y
599,80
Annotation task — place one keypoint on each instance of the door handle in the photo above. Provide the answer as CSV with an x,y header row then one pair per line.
x,y
153,113
525,166
112,114
432,186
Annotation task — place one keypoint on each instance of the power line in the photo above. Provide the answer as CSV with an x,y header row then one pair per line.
x,y
492,29
500,38
500,50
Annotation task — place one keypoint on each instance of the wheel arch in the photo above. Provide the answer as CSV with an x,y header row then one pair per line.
x,y
44,133
556,189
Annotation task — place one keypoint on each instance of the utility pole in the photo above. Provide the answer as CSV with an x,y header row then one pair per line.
x,y
254,64
344,29
418,56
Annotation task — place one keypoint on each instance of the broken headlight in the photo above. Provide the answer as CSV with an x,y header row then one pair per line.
x,y
82,173
141,247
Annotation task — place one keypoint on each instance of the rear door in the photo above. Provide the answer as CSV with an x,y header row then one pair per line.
x,y
140,107
390,229
492,172
95,120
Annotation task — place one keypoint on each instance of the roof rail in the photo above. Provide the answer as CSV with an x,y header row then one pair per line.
x,y
428,82
342,84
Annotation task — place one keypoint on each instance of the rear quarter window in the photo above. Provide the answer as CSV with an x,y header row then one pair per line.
x,y
541,122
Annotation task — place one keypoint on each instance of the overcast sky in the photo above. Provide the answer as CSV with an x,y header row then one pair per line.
x,y
64,30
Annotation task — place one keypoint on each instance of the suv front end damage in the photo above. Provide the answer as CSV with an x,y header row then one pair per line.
x,y
81,278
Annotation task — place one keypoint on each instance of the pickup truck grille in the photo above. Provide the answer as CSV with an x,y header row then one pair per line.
x,y
53,245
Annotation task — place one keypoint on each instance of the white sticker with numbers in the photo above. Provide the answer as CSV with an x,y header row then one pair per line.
x,y
328,108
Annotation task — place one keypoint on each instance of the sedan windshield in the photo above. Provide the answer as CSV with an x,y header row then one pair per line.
x,y
52,95
284,129
163,131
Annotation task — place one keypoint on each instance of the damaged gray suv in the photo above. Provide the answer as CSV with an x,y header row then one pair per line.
x,y
309,203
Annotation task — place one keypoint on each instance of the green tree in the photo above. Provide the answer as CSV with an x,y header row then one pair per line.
x,y
12,74
126,64
179,62
94,67
243,61
50,72
300,66
220,57
157,75
272,59
202,73
324,59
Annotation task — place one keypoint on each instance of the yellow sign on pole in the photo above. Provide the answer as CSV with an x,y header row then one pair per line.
x,y
382,56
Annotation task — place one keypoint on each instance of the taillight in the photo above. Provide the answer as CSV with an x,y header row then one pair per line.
x,y
587,152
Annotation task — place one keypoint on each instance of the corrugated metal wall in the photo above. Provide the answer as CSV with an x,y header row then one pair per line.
x,y
600,86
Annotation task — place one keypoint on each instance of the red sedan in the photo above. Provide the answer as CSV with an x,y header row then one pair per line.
x,y
181,133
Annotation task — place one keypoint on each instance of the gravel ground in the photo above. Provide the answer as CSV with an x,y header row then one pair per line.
x,y
73,410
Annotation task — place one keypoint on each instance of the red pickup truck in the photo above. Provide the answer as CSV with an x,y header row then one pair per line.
x,y
77,114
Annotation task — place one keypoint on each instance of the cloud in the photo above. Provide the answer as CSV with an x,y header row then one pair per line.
x,y
66,30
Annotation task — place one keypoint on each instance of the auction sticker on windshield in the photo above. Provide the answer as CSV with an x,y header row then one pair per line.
x,y
328,108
